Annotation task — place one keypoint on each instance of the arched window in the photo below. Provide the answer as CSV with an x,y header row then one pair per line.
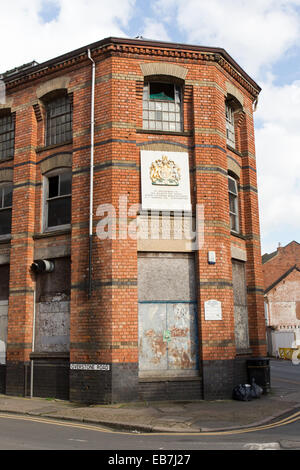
x,y
230,132
58,195
232,106
162,105
6,191
59,117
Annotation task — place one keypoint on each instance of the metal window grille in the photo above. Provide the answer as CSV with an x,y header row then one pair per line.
x,y
230,134
59,121
59,199
5,209
7,136
233,204
162,107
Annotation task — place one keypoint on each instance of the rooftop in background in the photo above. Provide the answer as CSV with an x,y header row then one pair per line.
x,y
267,256
279,263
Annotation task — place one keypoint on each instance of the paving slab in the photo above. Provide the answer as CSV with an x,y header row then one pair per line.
x,y
166,416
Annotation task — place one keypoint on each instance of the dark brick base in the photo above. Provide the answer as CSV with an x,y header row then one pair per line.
x,y
50,379
125,382
15,378
220,377
2,378
119,384
54,379
173,389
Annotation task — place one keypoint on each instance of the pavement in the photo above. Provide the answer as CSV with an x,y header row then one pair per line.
x,y
166,416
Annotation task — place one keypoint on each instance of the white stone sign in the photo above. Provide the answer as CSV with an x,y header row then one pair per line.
x,y
212,310
165,181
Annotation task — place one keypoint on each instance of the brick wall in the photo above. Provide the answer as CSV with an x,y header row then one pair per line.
x,y
104,328
278,263
284,302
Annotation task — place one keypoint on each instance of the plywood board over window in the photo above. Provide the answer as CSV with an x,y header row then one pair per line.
x,y
240,305
4,292
168,338
53,308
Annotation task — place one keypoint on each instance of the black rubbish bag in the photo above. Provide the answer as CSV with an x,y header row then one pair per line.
x,y
256,390
242,392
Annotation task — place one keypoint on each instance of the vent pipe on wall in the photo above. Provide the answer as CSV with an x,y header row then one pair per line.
x,y
42,266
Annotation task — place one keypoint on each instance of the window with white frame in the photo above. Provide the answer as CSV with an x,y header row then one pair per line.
x,y
58,192
5,208
233,204
162,106
230,134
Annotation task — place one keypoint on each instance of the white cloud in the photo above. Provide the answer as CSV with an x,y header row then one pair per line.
x,y
25,37
155,30
255,33
278,161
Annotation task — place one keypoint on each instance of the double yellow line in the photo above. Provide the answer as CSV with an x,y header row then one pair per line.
x,y
283,422
88,427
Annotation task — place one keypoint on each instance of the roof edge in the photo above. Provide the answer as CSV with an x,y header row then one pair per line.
x,y
134,42
283,276
268,256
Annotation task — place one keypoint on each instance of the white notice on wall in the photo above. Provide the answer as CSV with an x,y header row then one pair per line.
x,y
213,310
165,181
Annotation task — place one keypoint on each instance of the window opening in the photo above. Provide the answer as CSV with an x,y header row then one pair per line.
x,y
5,209
233,204
59,121
59,199
162,107
7,136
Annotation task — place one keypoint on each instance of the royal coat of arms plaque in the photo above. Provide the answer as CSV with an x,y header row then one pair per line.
x,y
165,181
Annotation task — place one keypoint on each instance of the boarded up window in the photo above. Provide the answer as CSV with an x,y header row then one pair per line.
x,y
4,293
166,277
168,337
240,305
53,308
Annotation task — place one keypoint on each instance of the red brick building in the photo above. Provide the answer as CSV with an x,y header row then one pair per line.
x,y
277,263
115,317
281,271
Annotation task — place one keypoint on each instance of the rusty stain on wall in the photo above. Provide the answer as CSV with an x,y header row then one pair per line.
x,y
176,351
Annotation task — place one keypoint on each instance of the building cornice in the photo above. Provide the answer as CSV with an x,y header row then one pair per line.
x,y
137,47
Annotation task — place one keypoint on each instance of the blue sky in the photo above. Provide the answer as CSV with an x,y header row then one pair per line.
x,y
263,36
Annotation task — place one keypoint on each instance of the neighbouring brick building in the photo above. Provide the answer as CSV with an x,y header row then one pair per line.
x,y
281,271
115,317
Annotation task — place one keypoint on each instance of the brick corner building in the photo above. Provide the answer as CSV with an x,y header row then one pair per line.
x,y
119,134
